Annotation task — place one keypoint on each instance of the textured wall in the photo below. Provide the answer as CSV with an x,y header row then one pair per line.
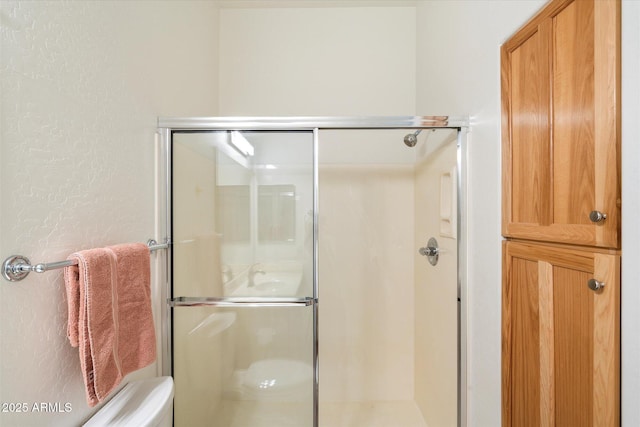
x,y
82,84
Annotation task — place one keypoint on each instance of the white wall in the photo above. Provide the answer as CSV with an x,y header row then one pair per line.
x,y
461,76
630,209
317,61
82,84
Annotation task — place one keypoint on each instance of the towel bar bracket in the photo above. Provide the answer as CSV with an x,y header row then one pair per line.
x,y
154,245
13,268
17,267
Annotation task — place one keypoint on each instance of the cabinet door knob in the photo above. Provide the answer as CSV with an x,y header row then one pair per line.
x,y
595,285
597,216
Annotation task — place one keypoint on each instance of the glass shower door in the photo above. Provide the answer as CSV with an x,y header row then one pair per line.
x,y
390,359
243,316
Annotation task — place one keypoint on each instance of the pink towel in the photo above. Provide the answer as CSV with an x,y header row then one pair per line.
x,y
110,318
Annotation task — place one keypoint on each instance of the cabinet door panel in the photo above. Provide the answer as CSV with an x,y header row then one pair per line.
x,y
560,339
530,154
573,342
573,114
526,344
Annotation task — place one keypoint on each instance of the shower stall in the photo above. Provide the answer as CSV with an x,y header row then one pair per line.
x,y
316,271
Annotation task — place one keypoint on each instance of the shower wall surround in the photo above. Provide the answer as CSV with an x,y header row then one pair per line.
x,y
81,91
366,281
435,287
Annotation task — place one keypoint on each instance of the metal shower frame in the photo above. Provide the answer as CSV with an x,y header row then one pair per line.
x,y
167,127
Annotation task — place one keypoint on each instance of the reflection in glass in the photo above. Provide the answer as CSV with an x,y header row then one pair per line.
x,y
232,213
243,367
276,213
242,228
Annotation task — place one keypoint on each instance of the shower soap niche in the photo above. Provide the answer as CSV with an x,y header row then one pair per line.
x,y
448,204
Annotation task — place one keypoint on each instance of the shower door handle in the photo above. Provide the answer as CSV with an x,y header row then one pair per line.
x,y
240,302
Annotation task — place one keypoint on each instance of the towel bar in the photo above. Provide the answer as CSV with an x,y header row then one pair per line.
x,y
17,267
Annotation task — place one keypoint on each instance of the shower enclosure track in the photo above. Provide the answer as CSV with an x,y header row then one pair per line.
x,y
310,123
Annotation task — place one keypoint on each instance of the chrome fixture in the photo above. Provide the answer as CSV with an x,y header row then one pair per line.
x,y
431,251
597,216
241,302
411,139
17,267
595,285
251,275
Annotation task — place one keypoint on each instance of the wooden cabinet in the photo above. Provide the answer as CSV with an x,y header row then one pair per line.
x,y
560,77
561,125
560,339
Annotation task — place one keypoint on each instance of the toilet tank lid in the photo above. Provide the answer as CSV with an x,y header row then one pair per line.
x,y
139,403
